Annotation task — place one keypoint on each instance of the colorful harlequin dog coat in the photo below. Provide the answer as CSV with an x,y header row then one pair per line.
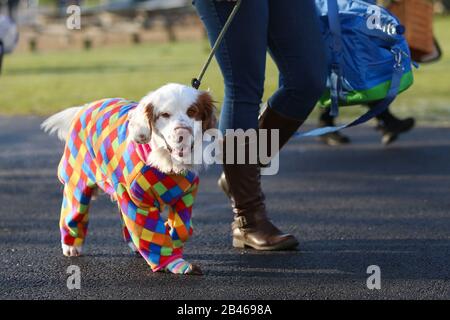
x,y
98,154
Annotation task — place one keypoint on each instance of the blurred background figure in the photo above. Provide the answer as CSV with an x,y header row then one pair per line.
x,y
9,35
424,48
9,8
388,125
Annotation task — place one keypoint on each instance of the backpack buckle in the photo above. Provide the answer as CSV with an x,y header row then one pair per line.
x,y
398,56
335,88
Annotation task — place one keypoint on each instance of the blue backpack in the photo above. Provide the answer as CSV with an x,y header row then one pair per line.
x,y
369,58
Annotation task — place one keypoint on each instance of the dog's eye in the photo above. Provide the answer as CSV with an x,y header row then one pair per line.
x,y
165,115
191,112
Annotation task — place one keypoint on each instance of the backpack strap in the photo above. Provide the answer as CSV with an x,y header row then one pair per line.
x,y
381,106
336,56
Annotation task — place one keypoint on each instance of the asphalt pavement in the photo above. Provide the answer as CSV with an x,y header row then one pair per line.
x,y
350,207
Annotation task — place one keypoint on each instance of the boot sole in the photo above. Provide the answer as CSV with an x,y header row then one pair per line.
x,y
287,245
333,143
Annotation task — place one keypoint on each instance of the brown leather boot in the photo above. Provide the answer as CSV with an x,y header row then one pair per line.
x,y
251,226
270,119
242,184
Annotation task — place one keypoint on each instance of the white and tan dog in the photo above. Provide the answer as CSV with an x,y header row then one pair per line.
x,y
140,154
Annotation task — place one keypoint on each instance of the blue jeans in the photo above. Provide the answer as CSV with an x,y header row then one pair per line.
x,y
289,31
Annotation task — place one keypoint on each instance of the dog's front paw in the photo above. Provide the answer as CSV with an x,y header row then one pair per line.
x,y
71,251
181,266
194,270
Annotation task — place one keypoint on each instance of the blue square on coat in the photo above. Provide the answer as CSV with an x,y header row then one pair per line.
x,y
122,133
104,154
72,148
114,178
190,176
154,258
83,120
89,146
131,211
129,164
107,102
166,197
160,227
77,193
87,170
126,108
84,200
99,125
174,235
71,222
154,248
63,174
176,191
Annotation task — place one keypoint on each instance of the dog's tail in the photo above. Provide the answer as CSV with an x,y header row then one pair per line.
x,y
60,122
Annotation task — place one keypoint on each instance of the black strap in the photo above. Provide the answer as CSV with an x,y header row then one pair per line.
x,y
196,82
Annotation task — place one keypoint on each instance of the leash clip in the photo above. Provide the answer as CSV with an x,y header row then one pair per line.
x,y
195,83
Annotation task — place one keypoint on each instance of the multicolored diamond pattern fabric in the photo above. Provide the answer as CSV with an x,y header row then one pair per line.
x,y
98,154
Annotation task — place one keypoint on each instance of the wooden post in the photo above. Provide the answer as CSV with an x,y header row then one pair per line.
x,y
169,25
32,44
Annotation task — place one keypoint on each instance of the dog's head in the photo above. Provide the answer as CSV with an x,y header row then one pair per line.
x,y
171,119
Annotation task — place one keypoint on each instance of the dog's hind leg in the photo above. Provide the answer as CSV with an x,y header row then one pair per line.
x,y
74,218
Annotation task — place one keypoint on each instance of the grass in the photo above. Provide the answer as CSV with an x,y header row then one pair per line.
x,y
42,83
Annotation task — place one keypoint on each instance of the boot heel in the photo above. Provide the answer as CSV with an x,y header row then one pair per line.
x,y
238,243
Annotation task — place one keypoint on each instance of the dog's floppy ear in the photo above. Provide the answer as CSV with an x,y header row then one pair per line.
x,y
207,110
150,116
141,120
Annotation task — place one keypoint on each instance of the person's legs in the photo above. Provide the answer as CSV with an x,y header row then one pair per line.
x,y
391,126
325,119
242,59
386,116
333,138
296,46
